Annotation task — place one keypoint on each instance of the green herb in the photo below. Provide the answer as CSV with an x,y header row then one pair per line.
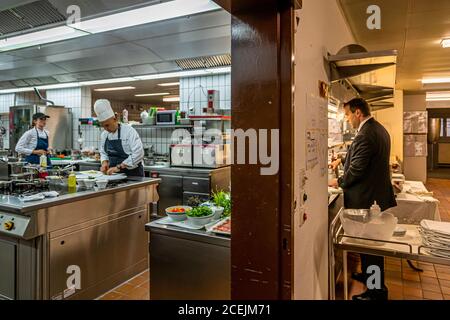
x,y
200,212
223,199
194,201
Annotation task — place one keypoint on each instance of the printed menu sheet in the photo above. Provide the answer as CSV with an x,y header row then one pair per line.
x,y
415,122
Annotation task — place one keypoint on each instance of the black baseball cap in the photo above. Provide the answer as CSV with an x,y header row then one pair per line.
x,y
40,115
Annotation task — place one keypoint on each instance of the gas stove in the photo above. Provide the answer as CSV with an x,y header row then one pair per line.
x,y
23,187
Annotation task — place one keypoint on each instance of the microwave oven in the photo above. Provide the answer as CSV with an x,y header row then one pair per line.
x,y
166,117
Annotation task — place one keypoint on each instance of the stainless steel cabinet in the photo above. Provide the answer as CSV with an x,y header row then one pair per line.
x,y
188,265
170,192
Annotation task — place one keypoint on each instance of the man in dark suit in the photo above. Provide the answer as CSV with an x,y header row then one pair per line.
x,y
367,179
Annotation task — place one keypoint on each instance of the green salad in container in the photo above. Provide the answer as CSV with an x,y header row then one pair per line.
x,y
199,212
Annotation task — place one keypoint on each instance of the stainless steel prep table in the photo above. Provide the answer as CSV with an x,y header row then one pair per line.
x,y
188,264
407,247
100,232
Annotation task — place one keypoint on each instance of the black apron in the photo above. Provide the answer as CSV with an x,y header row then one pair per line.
x,y
117,155
42,144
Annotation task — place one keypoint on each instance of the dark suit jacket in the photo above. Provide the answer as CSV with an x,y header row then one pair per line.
x,y
366,169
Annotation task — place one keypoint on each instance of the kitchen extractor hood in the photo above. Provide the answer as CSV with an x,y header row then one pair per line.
x,y
371,75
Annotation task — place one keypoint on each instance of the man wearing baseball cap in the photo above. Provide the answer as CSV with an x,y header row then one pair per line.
x,y
35,142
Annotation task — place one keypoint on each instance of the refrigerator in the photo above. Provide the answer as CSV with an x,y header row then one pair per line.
x,y
59,125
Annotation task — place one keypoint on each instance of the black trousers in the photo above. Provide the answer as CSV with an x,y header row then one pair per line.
x,y
368,260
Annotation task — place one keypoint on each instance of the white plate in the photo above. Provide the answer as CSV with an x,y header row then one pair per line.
x,y
114,177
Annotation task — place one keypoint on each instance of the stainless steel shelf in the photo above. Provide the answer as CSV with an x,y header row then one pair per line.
x,y
162,126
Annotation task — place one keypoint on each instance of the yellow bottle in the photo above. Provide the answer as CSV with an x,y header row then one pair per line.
x,y
72,182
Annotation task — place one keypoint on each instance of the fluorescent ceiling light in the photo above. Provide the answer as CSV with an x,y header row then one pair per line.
x,y
445,43
106,81
190,73
152,94
436,80
148,14
115,89
169,84
40,37
171,99
144,15
17,90
438,96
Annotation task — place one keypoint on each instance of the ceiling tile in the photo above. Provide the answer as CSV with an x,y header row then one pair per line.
x,y
185,24
85,42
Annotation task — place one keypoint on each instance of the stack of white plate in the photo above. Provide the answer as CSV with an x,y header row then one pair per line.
x,y
436,235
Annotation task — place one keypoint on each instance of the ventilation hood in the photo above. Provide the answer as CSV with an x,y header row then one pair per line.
x,y
371,75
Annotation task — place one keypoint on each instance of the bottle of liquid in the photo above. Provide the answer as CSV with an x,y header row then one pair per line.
x,y
72,182
375,210
43,161
125,115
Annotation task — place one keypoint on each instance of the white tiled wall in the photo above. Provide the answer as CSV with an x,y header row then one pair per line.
x,y
4,122
193,91
78,99
6,101
159,138
91,136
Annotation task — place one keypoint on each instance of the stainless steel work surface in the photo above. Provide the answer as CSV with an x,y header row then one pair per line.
x,y
14,204
191,234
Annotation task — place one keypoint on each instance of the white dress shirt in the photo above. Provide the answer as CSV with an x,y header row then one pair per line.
x,y
131,144
28,142
363,123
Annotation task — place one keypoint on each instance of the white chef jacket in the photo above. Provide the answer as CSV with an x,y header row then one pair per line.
x,y
28,142
131,144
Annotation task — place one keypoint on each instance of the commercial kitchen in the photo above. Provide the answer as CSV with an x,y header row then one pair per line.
x,y
144,210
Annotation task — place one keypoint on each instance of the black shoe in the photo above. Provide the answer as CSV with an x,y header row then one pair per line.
x,y
360,277
376,294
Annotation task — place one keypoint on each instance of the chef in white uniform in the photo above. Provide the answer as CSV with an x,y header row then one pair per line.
x,y
35,142
121,148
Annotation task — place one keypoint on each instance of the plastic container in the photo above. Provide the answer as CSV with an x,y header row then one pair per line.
x,y
72,182
378,228
43,161
125,115
375,210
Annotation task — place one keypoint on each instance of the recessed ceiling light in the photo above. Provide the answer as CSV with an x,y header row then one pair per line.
x,y
115,89
189,73
169,84
166,75
445,43
171,99
436,80
151,94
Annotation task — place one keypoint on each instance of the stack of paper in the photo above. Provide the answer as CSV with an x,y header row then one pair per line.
x,y
436,236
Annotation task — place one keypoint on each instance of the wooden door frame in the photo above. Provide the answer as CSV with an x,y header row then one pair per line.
x,y
262,35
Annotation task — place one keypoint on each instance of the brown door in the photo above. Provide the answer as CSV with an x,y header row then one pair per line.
x,y
261,245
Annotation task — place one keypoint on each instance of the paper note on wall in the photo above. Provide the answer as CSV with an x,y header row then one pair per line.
x,y
316,133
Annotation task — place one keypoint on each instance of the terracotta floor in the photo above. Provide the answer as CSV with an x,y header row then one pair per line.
x,y
403,282
136,288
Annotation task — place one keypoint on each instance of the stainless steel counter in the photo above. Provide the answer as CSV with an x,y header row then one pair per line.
x,y
188,264
15,205
183,170
101,234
